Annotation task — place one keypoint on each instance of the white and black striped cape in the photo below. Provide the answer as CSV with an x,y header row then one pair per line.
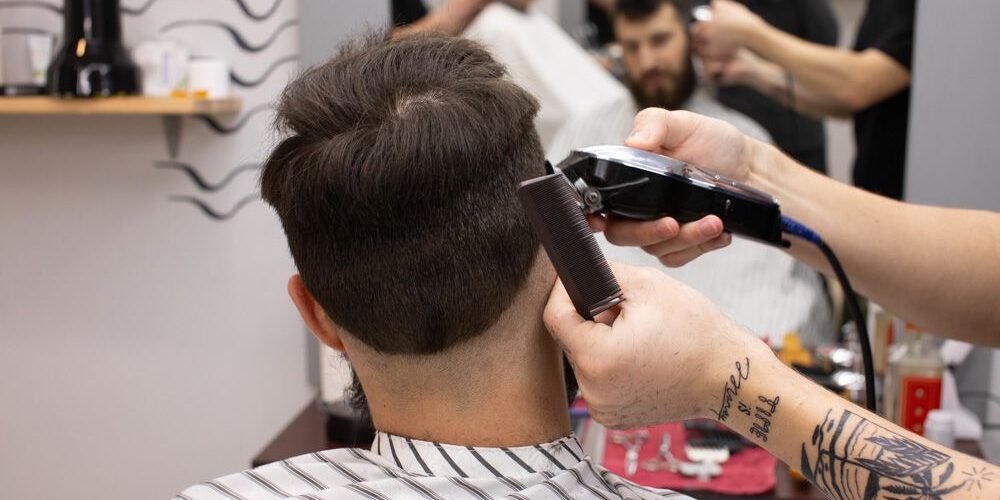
x,y
398,467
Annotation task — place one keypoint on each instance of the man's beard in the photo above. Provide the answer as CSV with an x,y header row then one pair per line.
x,y
662,97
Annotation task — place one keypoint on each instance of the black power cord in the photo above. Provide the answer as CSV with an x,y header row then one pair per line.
x,y
793,227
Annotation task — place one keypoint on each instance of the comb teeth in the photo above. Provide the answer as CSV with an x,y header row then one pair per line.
x,y
553,208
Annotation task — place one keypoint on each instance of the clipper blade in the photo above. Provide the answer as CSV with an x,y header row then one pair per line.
x,y
553,207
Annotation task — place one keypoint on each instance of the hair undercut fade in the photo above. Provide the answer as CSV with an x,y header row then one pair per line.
x,y
396,185
638,10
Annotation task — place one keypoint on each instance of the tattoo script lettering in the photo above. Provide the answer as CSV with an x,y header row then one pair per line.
x,y
762,417
851,457
732,388
743,408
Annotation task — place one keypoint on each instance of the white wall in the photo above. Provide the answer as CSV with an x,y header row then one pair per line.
x,y
954,131
143,346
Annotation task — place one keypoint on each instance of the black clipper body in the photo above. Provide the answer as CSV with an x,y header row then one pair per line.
x,y
636,184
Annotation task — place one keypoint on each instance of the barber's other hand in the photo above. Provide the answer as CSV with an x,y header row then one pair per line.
x,y
740,69
661,358
728,30
702,141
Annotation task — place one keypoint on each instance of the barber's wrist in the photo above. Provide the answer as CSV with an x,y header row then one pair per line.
x,y
758,36
736,370
761,163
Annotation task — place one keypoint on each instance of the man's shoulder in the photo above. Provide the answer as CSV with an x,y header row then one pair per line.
x,y
330,471
350,473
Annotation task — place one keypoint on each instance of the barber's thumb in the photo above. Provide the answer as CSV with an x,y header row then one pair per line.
x,y
651,129
564,323
642,138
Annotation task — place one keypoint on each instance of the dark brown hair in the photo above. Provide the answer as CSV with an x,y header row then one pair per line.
x,y
396,189
637,10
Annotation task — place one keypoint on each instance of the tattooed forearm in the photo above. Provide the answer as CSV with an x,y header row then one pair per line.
x,y
732,389
851,457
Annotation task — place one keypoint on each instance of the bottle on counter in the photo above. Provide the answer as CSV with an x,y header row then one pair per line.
x,y
881,329
913,381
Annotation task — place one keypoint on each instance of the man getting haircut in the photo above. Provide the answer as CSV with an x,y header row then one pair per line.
x,y
395,183
760,287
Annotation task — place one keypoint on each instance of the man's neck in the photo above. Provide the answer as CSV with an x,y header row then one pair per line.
x,y
515,398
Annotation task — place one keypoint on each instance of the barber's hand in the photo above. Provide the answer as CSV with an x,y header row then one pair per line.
x,y
702,141
740,69
728,30
661,359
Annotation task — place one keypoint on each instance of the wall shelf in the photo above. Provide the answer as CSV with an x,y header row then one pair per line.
x,y
171,109
163,106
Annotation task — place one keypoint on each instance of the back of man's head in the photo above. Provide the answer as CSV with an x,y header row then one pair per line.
x,y
637,10
396,189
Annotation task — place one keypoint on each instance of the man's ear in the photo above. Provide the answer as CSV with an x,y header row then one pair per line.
x,y
313,314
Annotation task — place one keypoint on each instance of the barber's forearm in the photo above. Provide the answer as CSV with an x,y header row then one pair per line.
x,y
451,19
825,73
772,80
936,267
845,450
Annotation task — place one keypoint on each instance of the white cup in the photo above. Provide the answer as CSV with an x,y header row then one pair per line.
x,y
209,76
164,66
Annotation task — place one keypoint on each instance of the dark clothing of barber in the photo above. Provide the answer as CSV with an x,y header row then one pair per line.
x,y
802,137
881,130
407,11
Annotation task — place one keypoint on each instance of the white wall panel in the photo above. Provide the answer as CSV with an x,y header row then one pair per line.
x,y
144,346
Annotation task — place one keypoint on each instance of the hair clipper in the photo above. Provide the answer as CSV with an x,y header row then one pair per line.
x,y
636,184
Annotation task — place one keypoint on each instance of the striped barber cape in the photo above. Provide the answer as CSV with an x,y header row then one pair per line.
x,y
398,467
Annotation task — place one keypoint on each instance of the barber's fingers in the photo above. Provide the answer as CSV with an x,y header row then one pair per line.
x,y
698,28
597,223
575,333
629,233
664,237
564,323
695,235
700,32
682,257
716,68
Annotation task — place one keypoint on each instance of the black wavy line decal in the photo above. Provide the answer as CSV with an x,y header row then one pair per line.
x,y
232,129
267,73
258,17
237,37
200,181
137,11
55,9
26,30
213,213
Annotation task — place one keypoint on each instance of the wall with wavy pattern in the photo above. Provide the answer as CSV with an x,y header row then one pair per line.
x,y
146,340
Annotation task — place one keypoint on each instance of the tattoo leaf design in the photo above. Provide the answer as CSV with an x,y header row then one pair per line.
x,y
856,458
902,457
947,473
902,490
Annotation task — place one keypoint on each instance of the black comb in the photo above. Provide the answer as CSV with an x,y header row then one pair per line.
x,y
554,209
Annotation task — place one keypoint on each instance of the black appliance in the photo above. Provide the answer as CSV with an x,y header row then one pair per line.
x,y
93,62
